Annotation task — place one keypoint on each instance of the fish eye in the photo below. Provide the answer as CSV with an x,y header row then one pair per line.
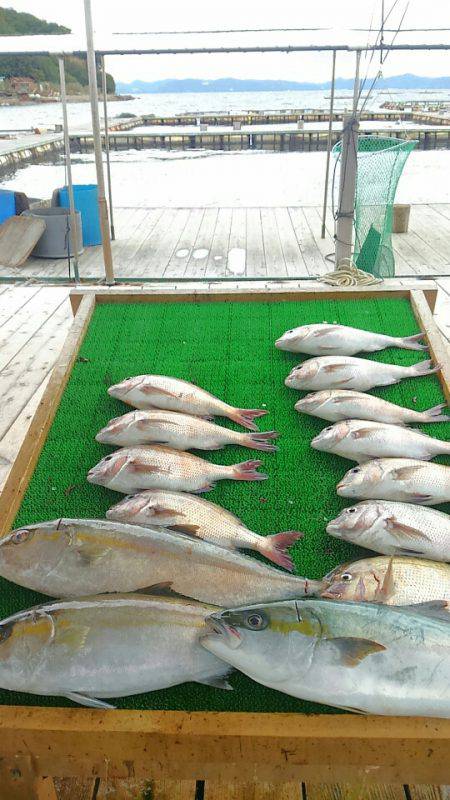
x,y
351,510
328,428
355,471
107,458
5,631
346,577
20,536
256,621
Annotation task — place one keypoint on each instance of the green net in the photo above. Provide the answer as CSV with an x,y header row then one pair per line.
x,y
380,164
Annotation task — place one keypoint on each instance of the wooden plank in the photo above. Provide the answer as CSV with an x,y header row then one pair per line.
x,y
185,244
237,249
438,348
12,441
27,370
358,791
18,236
29,452
293,257
198,257
218,254
256,259
155,254
14,299
315,263
273,252
252,791
18,331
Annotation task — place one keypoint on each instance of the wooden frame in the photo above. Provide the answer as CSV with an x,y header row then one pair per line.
x,y
225,746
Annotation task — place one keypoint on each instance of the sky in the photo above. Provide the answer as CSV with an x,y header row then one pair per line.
x,y
111,16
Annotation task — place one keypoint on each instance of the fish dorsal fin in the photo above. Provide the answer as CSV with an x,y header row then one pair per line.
x,y
353,650
435,609
387,588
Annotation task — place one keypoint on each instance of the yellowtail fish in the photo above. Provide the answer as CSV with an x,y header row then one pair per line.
x,y
404,479
339,404
341,340
134,469
106,646
395,529
363,440
73,557
395,580
180,431
363,657
344,372
173,394
196,517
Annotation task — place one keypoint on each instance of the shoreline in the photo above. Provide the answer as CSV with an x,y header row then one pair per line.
x,y
73,98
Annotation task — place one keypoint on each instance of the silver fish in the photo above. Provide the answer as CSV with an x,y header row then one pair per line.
x,y
363,440
404,479
395,529
134,469
339,404
106,646
364,657
341,340
73,557
196,517
173,394
180,431
344,372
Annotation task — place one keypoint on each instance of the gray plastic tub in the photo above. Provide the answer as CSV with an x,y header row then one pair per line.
x,y
57,238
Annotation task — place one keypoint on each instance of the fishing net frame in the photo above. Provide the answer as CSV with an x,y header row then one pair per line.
x,y
380,163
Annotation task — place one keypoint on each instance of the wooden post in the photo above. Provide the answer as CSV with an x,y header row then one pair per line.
x,y
93,93
329,141
108,164
347,183
73,215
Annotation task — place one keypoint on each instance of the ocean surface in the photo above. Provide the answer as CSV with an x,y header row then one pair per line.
x,y
27,116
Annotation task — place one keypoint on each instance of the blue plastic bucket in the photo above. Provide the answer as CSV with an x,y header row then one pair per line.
x,y
86,202
7,204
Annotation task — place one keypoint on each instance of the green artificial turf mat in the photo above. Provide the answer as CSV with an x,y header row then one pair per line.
x,y
228,349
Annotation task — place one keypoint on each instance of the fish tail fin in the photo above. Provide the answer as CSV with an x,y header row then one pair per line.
x,y
275,547
260,441
435,414
413,342
424,368
245,417
247,471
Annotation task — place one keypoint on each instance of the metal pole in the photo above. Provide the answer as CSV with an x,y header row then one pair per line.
x,y
103,208
347,184
73,215
108,165
330,138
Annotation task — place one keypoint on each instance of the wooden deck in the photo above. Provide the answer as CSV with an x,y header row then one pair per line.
x,y
33,323
242,242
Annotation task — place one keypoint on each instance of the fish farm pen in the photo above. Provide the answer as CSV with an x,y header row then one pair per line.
x,y
223,342
274,141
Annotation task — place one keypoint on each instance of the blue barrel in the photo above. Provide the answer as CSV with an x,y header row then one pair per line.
x,y
7,204
86,202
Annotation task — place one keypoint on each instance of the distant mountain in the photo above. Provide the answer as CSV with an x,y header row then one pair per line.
x,y
235,85
42,69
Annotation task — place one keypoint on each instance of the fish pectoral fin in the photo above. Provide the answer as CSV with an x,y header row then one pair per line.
x,y
361,433
353,651
90,552
408,551
218,682
187,530
404,473
73,636
137,466
393,526
163,589
333,367
86,700
147,389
